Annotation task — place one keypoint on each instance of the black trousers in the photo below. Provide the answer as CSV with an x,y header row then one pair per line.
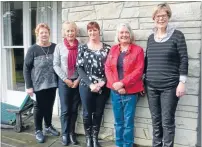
x,y
93,106
69,101
162,105
43,107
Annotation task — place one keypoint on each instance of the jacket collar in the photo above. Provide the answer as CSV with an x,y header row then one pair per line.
x,y
129,48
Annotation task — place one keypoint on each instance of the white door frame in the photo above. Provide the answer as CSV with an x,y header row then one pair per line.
x,y
1,83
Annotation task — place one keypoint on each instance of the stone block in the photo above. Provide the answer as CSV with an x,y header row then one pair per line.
x,y
81,9
141,125
112,24
192,86
185,137
142,133
143,44
108,11
100,2
193,36
108,117
186,123
143,142
189,100
143,102
109,36
65,13
190,11
143,120
81,16
141,35
148,3
69,4
190,30
130,4
194,68
79,128
109,125
186,114
105,133
187,108
146,20
130,12
194,48
142,112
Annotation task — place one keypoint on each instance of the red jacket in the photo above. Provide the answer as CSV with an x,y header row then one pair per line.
x,y
133,66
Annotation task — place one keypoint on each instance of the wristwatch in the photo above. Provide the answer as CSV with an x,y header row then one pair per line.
x,y
183,81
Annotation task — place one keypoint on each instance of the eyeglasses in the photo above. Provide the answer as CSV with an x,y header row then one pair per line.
x,y
161,16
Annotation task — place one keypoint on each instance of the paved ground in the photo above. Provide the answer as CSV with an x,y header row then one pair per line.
x,y
26,138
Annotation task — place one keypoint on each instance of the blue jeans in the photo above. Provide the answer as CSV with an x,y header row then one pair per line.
x,y
124,113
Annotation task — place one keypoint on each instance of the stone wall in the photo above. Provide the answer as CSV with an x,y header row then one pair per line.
x,y
187,18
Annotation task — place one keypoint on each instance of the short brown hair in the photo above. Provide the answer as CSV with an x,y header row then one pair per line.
x,y
161,6
41,25
93,24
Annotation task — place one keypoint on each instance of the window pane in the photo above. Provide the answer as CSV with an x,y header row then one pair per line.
x,y
41,11
14,66
12,23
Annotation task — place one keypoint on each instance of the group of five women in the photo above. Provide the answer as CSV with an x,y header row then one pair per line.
x,y
88,71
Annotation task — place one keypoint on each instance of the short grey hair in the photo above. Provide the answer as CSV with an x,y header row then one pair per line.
x,y
65,24
132,36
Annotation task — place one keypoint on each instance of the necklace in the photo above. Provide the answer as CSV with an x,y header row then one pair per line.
x,y
46,53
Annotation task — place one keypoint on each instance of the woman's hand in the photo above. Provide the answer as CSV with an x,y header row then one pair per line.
x,y
94,87
122,91
180,91
75,83
30,91
101,84
68,82
117,85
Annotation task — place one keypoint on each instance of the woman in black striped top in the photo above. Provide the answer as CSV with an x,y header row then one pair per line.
x,y
166,69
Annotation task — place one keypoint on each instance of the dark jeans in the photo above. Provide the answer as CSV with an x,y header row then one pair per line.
x,y
93,105
43,107
69,101
162,105
124,107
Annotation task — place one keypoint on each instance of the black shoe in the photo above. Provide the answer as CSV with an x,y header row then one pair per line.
x,y
73,140
65,140
52,131
39,136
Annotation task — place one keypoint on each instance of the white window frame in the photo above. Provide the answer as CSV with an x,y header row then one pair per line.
x,y
5,92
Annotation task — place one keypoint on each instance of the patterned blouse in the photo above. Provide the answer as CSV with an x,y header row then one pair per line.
x,y
90,64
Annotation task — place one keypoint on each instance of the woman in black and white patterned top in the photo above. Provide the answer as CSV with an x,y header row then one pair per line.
x,y
92,88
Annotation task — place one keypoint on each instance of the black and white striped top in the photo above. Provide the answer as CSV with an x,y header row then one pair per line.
x,y
166,61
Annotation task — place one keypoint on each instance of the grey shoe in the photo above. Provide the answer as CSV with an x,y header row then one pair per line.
x,y
52,130
39,136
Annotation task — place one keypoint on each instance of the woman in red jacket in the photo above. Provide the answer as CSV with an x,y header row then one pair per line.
x,y
124,70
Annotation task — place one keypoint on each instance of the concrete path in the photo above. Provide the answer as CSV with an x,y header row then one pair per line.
x,y
9,138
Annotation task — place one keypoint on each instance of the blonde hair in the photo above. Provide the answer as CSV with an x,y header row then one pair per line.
x,y
162,6
64,25
132,36
41,25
